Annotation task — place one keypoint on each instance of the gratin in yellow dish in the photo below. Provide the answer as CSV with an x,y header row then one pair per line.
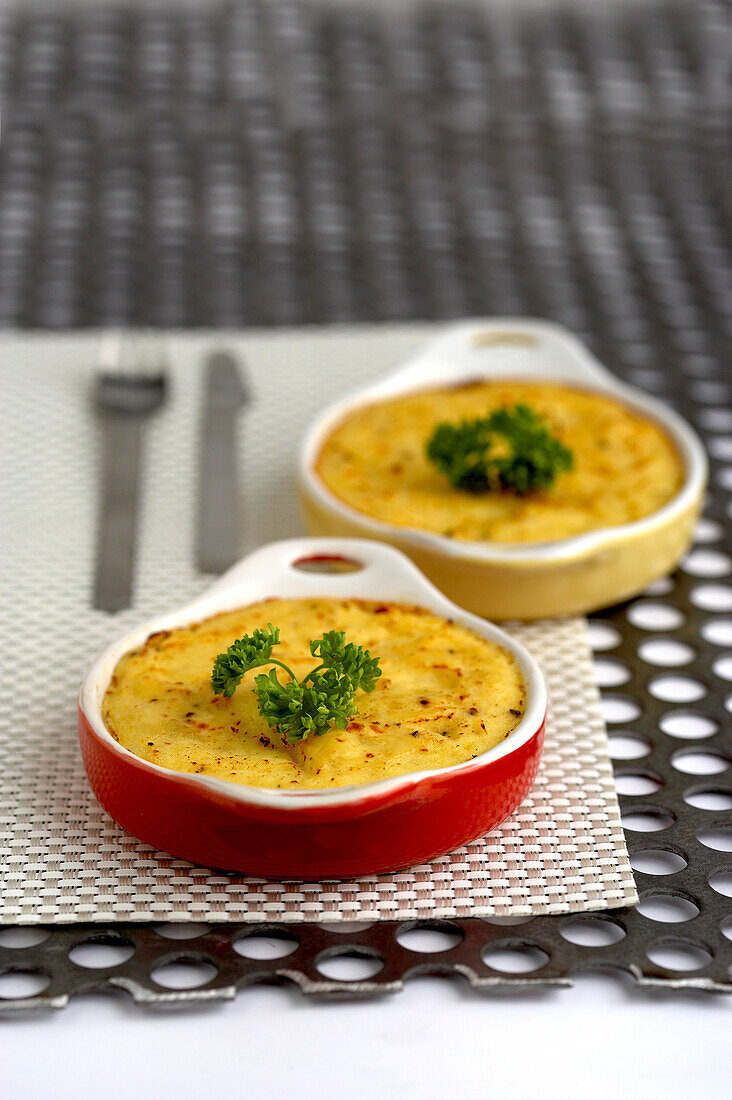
x,y
625,466
445,696
543,572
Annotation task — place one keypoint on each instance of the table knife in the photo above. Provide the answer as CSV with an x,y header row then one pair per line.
x,y
219,518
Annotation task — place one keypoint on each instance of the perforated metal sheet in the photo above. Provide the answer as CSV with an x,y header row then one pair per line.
x,y
554,159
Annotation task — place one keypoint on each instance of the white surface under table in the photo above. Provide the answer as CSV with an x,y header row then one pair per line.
x,y
434,1039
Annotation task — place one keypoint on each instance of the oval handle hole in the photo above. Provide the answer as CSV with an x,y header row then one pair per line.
x,y
327,563
488,338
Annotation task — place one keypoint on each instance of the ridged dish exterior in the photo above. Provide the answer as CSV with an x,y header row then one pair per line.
x,y
418,820
577,585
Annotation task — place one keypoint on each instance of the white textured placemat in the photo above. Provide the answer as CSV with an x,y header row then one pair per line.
x,y
62,858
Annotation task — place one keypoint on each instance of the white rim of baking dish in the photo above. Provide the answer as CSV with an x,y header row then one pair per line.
x,y
271,572
517,350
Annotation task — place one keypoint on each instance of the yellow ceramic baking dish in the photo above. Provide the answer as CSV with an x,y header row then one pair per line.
x,y
525,580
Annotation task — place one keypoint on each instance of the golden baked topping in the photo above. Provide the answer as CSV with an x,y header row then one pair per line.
x,y
445,695
624,466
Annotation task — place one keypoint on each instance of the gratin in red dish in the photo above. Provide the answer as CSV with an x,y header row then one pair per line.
x,y
313,833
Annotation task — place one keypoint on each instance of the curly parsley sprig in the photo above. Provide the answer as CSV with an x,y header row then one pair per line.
x,y
251,651
511,449
297,708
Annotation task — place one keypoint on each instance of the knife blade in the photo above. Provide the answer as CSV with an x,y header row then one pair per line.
x,y
219,518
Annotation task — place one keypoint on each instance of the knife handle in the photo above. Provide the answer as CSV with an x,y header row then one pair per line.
x,y
217,535
118,510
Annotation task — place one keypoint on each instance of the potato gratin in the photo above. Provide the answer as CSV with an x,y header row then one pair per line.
x,y
625,466
445,696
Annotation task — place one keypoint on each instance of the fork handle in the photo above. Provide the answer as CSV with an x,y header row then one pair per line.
x,y
117,512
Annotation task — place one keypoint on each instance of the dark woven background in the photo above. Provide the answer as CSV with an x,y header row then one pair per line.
x,y
277,163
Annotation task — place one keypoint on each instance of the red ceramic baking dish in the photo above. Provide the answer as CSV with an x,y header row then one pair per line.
x,y
312,834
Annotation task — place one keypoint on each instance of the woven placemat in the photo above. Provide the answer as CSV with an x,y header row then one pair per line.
x,y
63,859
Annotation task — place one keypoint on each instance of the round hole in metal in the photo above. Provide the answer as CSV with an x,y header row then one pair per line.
x,y
723,668
718,631
429,938
712,597
20,938
651,820
709,798
661,587
667,908
716,419
688,725
727,928
720,840
274,943
602,636
619,708
666,652
611,673
184,972
721,882
707,563
657,861
349,964
724,477
721,447
628,746
699,763
515,957
181,930
592,932
654,616
647,378
637,783
326,563
677,689
101,951
676,955
698,365
709,391
708,530
18,983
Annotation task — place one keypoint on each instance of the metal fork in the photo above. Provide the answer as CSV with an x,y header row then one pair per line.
x,y
130,387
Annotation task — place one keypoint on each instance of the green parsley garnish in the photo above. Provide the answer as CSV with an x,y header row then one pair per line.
x,y
297,708
510,449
